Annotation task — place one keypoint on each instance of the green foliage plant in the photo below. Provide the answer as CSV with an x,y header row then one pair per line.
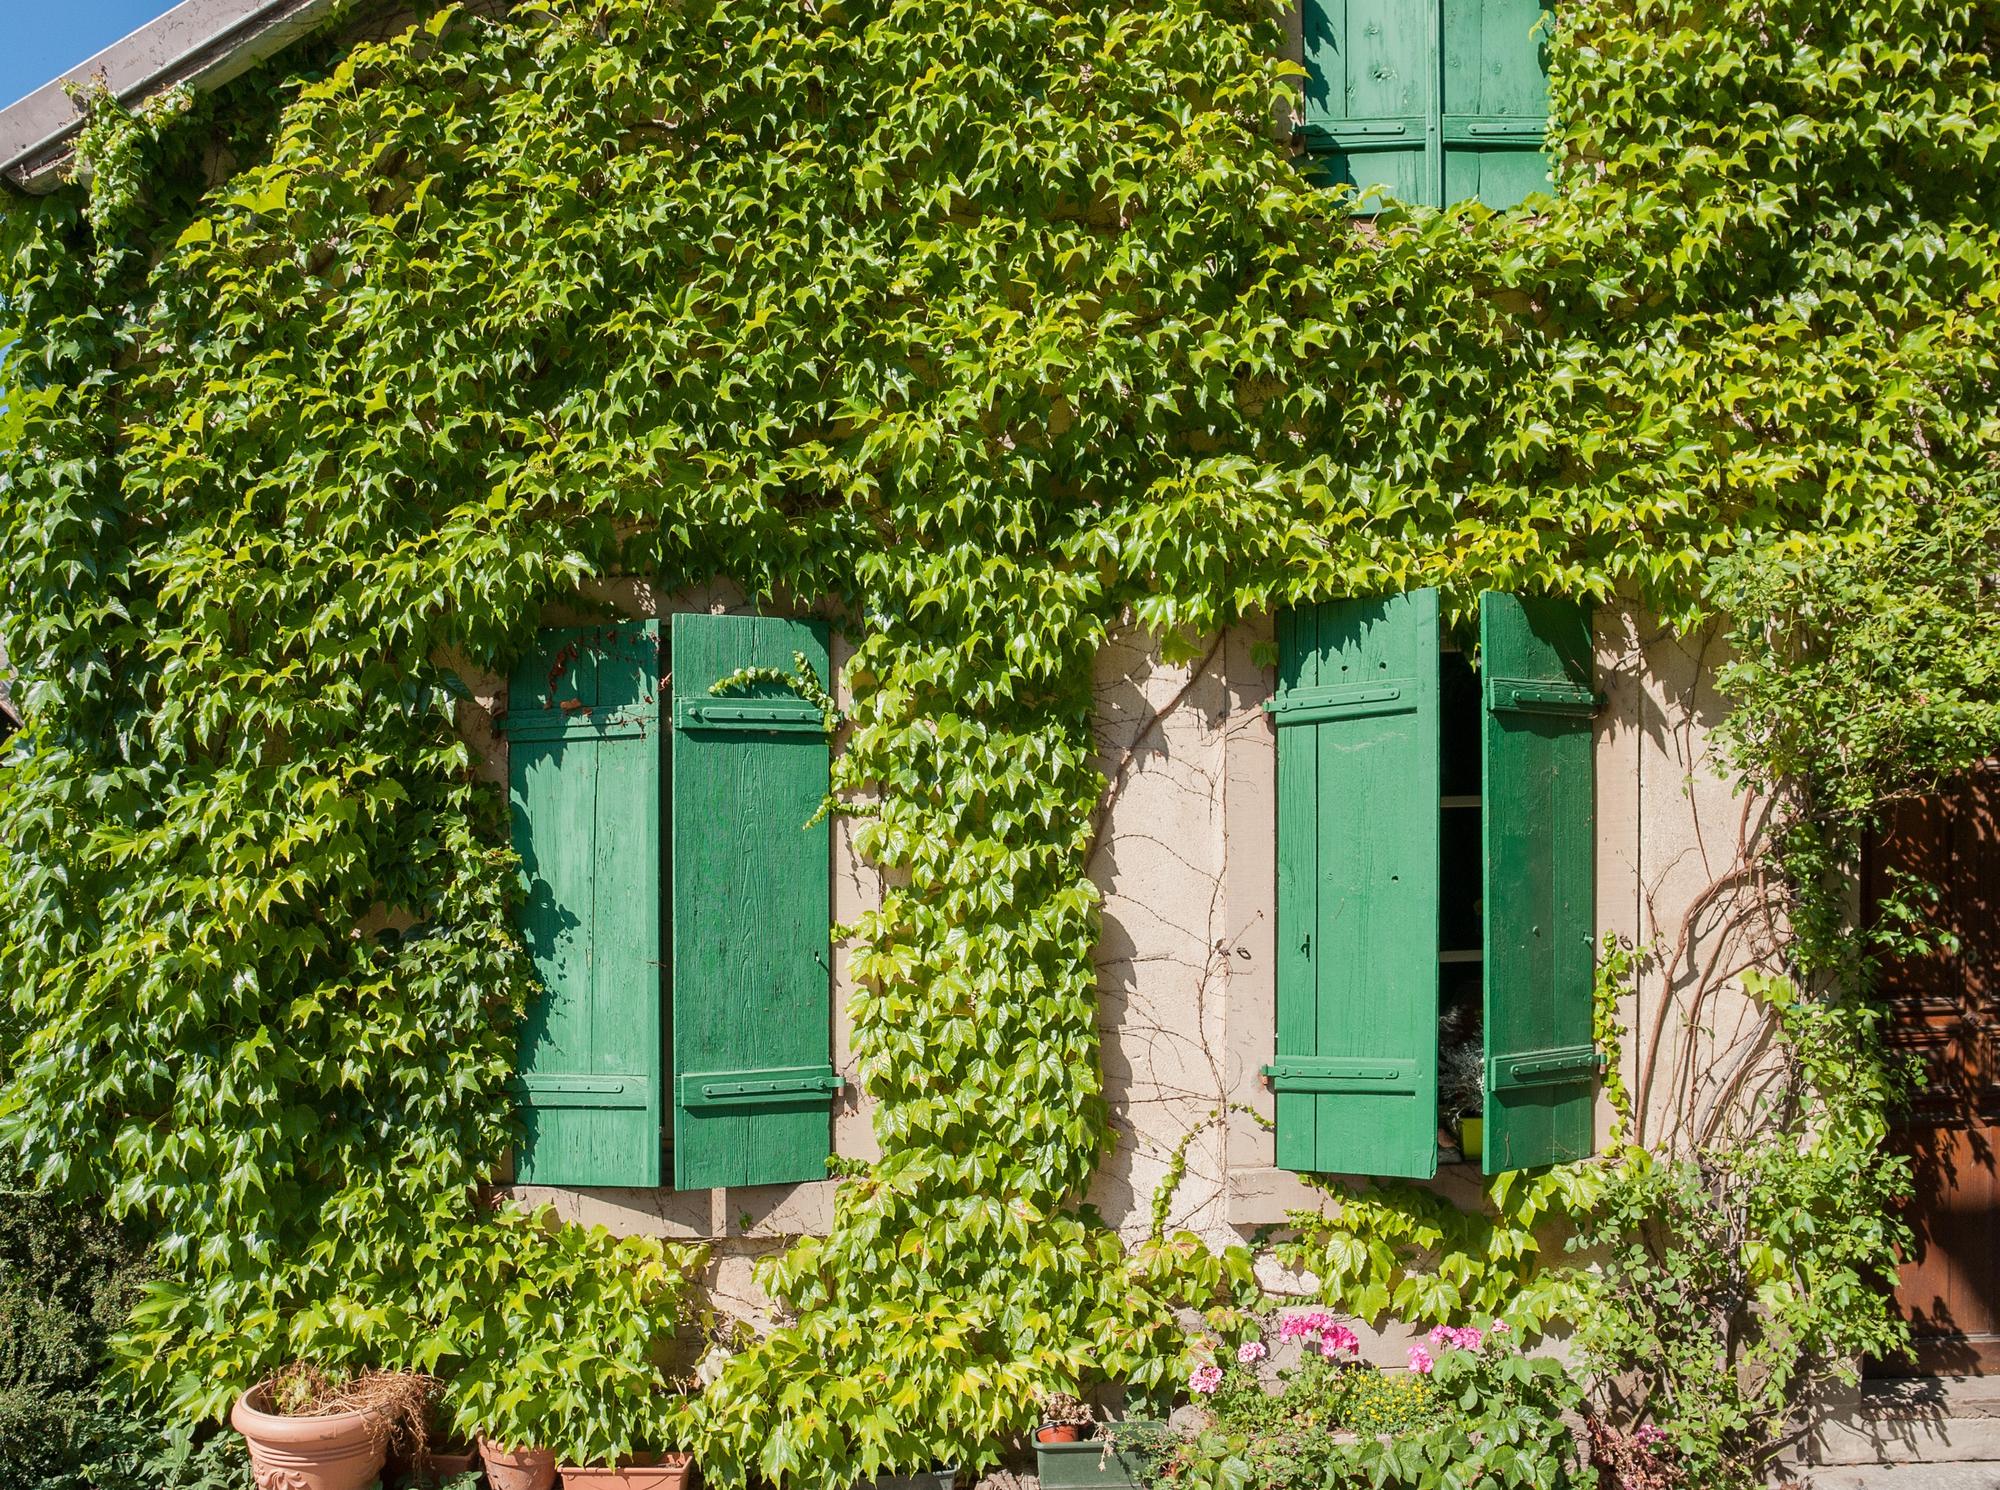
x,y
984,326
1473,1410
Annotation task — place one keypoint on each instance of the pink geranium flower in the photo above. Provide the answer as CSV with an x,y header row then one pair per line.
x,y
1250,1352
1468,1338
1205,1380
1305,1326
1420,1360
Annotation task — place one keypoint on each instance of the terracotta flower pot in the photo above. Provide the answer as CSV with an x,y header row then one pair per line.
x,y
642,1472
331,1451
1059,1433
517,1469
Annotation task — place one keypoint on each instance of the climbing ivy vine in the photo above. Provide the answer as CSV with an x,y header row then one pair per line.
x,y
978,324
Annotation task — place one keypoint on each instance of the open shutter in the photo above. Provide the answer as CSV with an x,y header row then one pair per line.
x,y
752,930
1495,100
1358,731
1541,1063
584,739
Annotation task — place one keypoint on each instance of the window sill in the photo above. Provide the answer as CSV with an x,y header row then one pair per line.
x,y
749,1212
1266,1197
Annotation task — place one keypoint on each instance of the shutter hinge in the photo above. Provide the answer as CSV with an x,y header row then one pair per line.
x,y
1519,696
1311,705
761,715
786,1086
1559,1065
562,1089
1342,1074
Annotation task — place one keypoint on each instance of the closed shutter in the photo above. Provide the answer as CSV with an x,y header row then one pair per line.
x,y
1541,1063
1355,1074
1437,101
1495,100
584,741
1370,66
753,1073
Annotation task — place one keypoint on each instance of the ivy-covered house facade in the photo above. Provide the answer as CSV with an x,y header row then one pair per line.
x,y
780,733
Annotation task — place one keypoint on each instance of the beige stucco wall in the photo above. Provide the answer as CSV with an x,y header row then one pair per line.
x,y
1185,858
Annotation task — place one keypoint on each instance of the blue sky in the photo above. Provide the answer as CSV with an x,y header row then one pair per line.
x,y
40,39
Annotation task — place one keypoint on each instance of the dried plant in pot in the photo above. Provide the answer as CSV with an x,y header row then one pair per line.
x,y
1065,1419
309,1431
433,1461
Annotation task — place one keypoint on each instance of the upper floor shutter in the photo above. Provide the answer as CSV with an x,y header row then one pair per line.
x,y
1541,1063
753,1073
584,734
1437,101
1355,1073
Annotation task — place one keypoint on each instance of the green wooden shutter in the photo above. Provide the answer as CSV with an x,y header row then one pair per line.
x,y
1495,100
752,930
1370,74
1356,711
1436,101
584,739
1540,818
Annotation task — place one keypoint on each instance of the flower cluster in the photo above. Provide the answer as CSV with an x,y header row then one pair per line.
x,y
1451,1337
1468,1338
1320,1331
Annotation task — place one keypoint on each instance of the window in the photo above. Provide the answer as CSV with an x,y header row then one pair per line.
x,y
653,817
1434,861
1438,101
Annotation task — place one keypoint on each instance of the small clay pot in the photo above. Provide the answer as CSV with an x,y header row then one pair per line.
x,y
517,1469
1059,1433
326,1451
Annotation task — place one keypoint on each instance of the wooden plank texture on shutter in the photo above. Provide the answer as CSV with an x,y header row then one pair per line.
x,y
751,927
1369,86
1495,96
1355,1073
1537,676
585,734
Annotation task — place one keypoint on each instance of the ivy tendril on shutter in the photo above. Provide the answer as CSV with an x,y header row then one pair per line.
x,y
801,680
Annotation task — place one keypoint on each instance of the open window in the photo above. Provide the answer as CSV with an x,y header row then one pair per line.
x,y
1435,873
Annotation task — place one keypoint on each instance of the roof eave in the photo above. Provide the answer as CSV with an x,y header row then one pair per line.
x,y
205,43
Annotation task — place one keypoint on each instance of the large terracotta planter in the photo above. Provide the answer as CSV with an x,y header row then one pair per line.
x,y
332,1451
517,1469
644,1472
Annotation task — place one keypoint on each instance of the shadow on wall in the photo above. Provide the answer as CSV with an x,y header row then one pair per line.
x,y
1157,857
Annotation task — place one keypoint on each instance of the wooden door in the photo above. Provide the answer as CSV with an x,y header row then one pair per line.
x,y
1946,1009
